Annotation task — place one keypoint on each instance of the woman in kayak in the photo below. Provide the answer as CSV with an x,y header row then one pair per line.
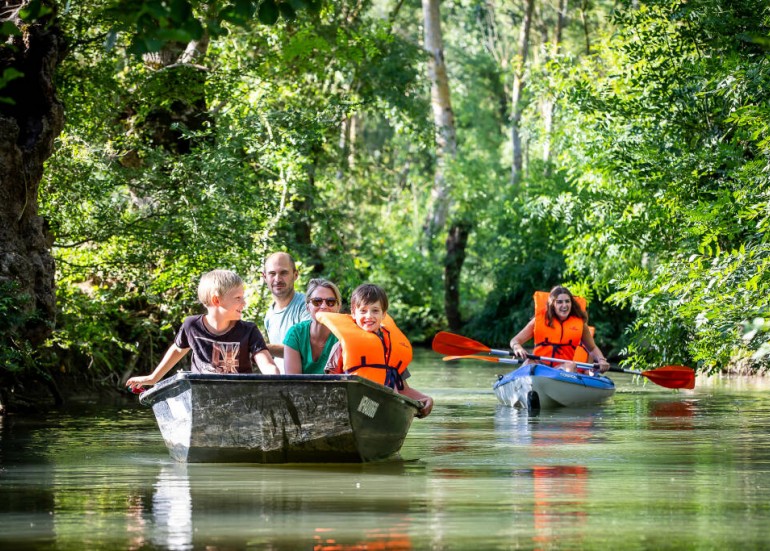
x,y
308,343
559,327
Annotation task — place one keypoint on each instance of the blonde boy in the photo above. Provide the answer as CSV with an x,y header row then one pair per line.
x,y
220,340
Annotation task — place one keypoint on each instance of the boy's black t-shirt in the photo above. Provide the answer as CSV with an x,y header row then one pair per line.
x,y
225,353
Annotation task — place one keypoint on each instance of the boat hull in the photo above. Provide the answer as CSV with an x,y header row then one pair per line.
x,y
279,419
536,386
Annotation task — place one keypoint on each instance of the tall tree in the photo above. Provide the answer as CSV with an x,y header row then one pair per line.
x,y
446,149
519,82
443,118
31,117
456,244
549,105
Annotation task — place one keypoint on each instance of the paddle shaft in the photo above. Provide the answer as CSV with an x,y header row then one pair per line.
x,y
509,360
615,368
515,361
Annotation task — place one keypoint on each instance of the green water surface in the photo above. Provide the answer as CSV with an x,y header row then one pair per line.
x,y
650,469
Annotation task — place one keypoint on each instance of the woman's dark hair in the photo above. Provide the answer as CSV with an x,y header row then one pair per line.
x,y
575,310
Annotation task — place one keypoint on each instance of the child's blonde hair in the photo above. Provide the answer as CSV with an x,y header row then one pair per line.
x,y
368,293
217,282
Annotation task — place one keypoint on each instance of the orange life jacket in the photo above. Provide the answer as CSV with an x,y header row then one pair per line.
x,y
562,339
382,360
581,354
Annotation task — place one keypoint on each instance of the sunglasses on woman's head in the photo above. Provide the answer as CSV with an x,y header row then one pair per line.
x,y
330,302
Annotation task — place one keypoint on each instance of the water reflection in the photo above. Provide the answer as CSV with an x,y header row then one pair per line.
x,y
172,509
322,507
559,491
394,538
560,504
563,426
678,414
136,526
512,425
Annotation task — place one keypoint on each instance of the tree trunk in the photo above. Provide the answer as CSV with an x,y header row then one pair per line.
x,y
549,104
443,118
303,207
28,128
347,144
584,19
456,242
518,90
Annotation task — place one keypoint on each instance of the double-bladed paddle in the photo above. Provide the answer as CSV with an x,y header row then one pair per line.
x,y
459,347
516,361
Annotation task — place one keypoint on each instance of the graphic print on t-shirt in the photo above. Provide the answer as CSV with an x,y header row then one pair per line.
x,y
224,356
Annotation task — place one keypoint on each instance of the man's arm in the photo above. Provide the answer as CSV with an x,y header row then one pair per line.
x,y
265,363
276,350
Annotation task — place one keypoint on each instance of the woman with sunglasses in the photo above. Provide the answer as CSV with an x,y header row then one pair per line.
x,y
307,344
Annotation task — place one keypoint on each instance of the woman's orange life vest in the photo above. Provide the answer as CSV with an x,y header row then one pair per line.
x,y
560,340
581,354
382,360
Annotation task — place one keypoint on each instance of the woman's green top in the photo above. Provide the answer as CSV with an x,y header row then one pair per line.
x,y
298,338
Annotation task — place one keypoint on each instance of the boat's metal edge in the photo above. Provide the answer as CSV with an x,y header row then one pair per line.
x,y
148,397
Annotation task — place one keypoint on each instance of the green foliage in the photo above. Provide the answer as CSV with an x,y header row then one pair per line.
x,y
307,128
16,354
167,171
9,74
528,256
668,142
152,24
105,330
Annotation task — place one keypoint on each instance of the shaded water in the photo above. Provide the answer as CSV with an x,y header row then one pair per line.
x,y
650,469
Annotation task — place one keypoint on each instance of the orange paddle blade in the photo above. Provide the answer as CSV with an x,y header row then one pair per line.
x,y
456,345
672,376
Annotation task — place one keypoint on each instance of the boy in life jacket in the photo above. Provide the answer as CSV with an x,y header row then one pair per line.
x,y
370,345
559,328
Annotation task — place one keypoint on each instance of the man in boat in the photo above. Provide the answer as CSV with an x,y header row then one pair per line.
x,y
371,345
559,329
288,307
221,342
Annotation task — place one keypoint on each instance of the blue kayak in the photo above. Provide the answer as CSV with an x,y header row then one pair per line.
x,y
535,386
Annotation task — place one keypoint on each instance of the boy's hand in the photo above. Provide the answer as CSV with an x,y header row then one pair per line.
x,y
136,383
427,406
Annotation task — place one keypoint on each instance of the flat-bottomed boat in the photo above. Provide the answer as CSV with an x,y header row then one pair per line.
x,y
210,418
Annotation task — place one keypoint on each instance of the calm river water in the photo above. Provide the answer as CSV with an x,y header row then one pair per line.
x,y
651,469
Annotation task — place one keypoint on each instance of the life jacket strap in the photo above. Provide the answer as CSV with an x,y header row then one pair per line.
x,y
393,378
